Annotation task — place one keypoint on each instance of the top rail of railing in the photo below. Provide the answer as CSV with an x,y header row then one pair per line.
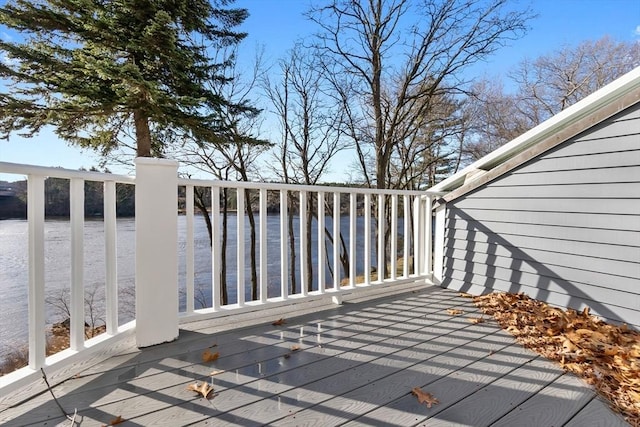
x,y
55,172
253,185
58,172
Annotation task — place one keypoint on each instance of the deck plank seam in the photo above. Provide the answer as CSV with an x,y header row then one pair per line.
x,y
293,328
366,343
370,361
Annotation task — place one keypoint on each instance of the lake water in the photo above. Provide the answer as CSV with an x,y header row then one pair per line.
x,y
14,267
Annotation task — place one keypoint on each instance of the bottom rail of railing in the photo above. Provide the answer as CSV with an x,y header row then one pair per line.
x,y
63,365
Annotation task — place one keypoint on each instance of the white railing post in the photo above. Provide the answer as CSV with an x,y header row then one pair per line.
x,y
336,241
284,252
428,235
367,239
438,244
406,236
76,190
263,246
216,249
111,257
381,264
352,239
156,251
303,243
35,216
190,249
321,242
417,243
394,237
240,202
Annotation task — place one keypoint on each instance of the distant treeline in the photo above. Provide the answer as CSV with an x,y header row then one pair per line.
x,y
56,203
57,199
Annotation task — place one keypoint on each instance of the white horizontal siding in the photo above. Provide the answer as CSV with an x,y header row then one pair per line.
x,y
564,227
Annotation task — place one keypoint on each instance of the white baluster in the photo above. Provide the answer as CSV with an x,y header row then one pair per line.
x,y
263,246
216,249
111,258
35,216
190,250
284,253
76,193
240,245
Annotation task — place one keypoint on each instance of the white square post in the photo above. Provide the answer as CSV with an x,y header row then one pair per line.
x,y
438,244
156,251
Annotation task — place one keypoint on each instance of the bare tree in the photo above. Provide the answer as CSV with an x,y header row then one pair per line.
x,y
388,61
94,309
551,83
388,58
491,119
232,156
311,125
428,149
543,87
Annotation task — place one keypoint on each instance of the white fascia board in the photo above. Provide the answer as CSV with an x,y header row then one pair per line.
x,y
574,113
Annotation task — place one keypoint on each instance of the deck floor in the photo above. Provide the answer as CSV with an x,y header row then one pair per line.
x,y
356,365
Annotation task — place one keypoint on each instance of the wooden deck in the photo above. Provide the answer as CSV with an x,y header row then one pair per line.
x,y
356,366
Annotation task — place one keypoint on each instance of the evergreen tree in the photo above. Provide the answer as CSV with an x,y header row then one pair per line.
x,y
98,69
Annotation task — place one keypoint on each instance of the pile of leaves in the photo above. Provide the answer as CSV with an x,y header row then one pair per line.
x,y
606,356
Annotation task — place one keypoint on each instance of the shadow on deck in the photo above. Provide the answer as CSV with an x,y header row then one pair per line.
x,y
356,365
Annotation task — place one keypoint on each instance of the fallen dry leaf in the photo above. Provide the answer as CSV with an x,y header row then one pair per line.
x,y
424,397
281,321
117,420
454,311
217,372
604,355
208,356
476,320
204,389
465,295
295,347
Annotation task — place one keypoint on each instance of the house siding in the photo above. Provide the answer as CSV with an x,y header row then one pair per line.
x,y
564,227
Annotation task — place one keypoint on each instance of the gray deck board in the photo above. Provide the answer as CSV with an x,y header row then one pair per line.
x,y
596,414
552,406
356,364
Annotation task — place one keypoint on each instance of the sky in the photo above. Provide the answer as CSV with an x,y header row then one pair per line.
x,y
277,24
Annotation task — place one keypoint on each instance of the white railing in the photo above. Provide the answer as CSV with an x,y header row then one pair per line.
x,y
354,213
36,276
356,223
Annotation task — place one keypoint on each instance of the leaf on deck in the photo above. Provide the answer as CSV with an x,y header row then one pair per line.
x,y
117,420
204,389
208,356
476,320
465,295
604,355
216,372
281,321
295,347
424,397
454,311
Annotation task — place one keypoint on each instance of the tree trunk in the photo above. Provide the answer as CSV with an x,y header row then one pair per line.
x,y
292,244
143,134
252,232
309,259
202,207
223,251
